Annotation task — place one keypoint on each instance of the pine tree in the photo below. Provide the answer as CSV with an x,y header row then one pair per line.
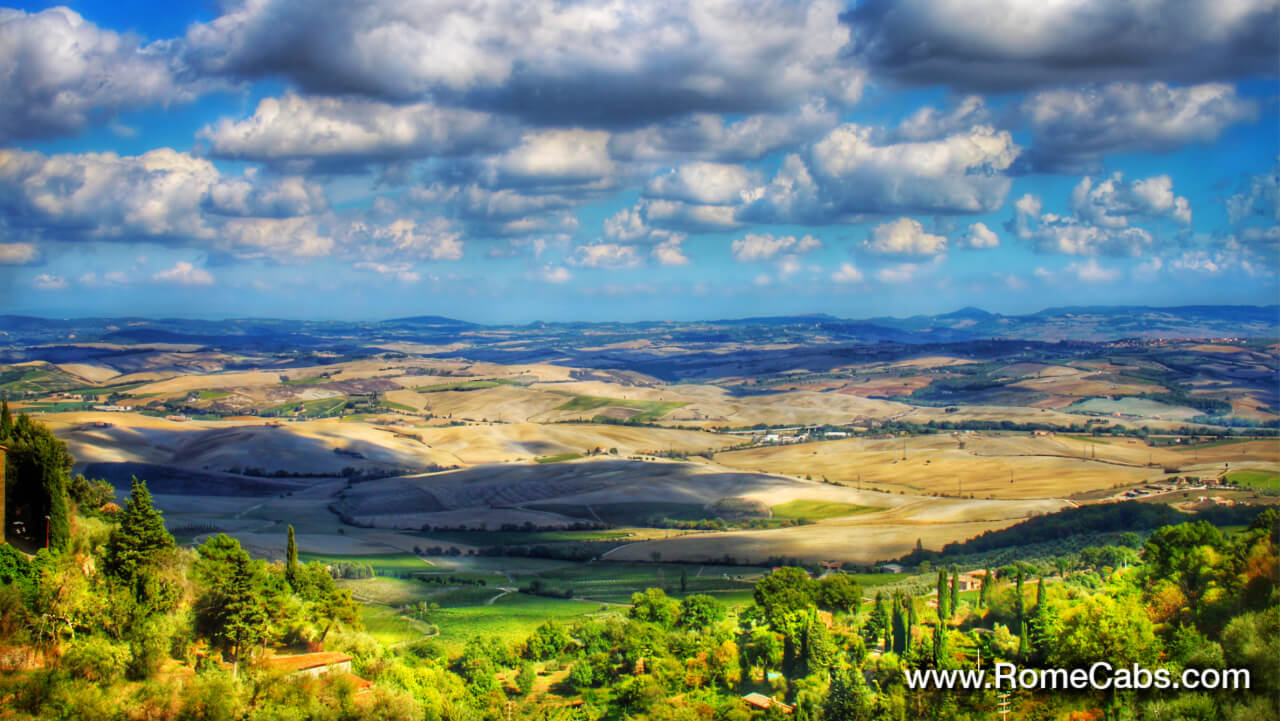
x,y
955,589
291,561
140,537
848,698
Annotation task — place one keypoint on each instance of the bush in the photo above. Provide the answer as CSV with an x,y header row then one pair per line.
x,y
97,659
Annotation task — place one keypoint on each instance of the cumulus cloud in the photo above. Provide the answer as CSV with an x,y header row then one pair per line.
x,y
604,63
184,273
703,183
992,45
1101,218
896,274
402,272
251,197
930,123
549,158
763,246
555,274
670,253
1113,202
18,253
708,137
294,132
1074,129
847,273
45,281
1259,198
849,172
1089,271
606,255
678,215
59,72
980,236
904,236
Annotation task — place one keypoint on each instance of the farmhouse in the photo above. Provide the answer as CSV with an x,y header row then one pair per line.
x,y
762,702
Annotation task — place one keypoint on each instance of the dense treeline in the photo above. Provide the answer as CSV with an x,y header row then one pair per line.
x,y
1082,521
121,623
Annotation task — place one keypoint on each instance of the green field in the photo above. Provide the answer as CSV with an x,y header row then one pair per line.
x,y
318,408
816,510
388,563
512,617
390,627
472,385
36,379
521,538
397,406
212,395
305,381
1209,444
1261,480
559,459
649,411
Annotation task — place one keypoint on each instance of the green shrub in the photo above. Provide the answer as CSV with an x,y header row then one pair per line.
x,y
97,659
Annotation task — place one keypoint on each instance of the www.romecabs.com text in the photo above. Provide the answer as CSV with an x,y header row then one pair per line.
x,y
1100,676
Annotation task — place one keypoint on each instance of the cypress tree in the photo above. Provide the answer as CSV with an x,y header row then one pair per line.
x,y
1024,646
899,627
955,589
140,537
6,419
880,622
942,596
939,646
911,618
985,591
291,561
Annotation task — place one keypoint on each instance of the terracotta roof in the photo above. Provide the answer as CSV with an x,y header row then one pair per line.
x,y
304,661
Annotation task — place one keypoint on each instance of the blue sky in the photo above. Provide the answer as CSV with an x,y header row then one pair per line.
x,y
504,162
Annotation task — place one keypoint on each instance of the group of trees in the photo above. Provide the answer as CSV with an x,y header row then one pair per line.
x,y
121,622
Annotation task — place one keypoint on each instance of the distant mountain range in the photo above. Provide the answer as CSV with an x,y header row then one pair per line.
x,y
1074,323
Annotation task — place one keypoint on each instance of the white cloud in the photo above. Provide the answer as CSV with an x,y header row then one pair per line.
x,y
603,63
763,246
1260,198
929,123
704,184
849,172
995,45
707,137
1148,269
670,253
18,253
904,236
605,255
847,273
980,236
298,131
1089,271
1073,129
184,273
402,272
45,281
677,215
1113,202
59,72
554,157
555,274
900,273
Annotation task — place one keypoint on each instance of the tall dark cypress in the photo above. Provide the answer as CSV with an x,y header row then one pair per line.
x,y
955,589
291,561
6,419
899,626
911,618
942,596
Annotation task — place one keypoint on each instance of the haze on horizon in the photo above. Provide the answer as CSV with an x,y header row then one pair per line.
x,y
612,162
